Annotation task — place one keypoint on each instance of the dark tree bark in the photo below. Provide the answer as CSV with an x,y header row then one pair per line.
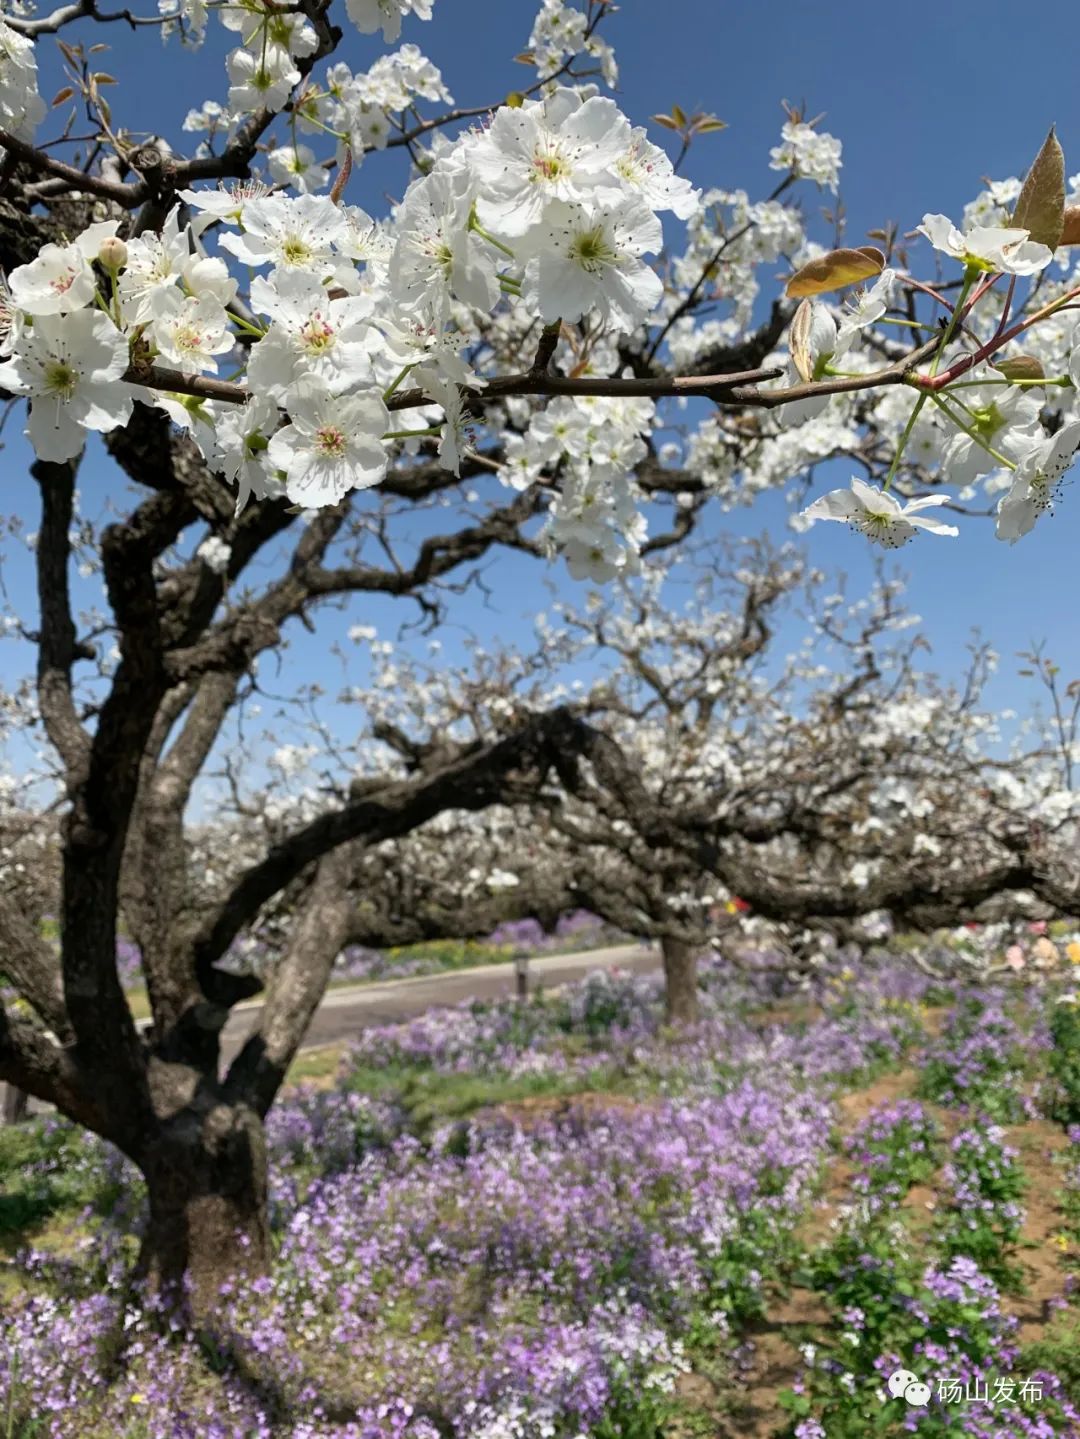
x,y
680,981
13,1103
206,1177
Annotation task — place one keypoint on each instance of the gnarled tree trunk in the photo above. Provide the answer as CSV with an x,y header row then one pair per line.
x,y
207,1181
680,981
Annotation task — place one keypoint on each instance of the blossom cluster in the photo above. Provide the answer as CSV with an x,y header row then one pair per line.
x,y
21,107
550,210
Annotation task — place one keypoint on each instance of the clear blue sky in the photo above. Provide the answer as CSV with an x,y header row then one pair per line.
x,y
927,102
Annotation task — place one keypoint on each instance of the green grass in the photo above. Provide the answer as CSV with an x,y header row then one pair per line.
x,y
1058,1351
430,1098
320,1065
58,1180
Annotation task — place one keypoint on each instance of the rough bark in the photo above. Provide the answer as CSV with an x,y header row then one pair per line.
x,y
13,1103
680,981
206,1176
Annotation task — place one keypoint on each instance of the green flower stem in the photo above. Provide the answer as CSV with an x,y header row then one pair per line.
x,y
478,229
903,441
970,276
972,433
412,434
397,381
246,325
907,324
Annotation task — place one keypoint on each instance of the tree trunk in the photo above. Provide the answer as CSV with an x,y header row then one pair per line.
x,y
208,1223
680,981
13,1103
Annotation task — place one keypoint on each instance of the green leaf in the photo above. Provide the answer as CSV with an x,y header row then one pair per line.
x,y
678,114
792,1402
665,120
1041,207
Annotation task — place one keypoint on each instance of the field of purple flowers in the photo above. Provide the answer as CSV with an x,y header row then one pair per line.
x,y
557,1220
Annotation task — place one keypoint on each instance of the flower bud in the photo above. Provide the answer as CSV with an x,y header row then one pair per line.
x,y
113,253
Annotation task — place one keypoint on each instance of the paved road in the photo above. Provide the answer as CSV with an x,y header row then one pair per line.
x,y
347,1009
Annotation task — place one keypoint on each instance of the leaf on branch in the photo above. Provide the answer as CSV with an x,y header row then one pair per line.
x,y
665,120
708,123
1041,207
100,78
801,357
835,270
1070,231
525,58
678,114
1021,367
62,95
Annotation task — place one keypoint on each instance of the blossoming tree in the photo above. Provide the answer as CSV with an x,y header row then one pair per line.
x,y
499,344
840,783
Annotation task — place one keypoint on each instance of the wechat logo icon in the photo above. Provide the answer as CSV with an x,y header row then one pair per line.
x,y
903,1384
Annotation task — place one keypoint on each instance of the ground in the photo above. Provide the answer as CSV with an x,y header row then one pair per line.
x,y
572,1154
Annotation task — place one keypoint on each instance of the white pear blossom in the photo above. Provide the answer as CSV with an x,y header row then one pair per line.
x,y
241,449
592,261
215,554
311,334
331,445
60,278
261,81
297,166
21,107
987,247
419,339
290,32
1006,420
437,254
158,264
455,438
1036,482
190,332
226,204
386,15
645,170
808,153
864,309
70,367
879,516
11,321
289,233
559,149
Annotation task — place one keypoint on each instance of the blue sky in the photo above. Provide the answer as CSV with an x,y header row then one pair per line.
x,y
927,103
